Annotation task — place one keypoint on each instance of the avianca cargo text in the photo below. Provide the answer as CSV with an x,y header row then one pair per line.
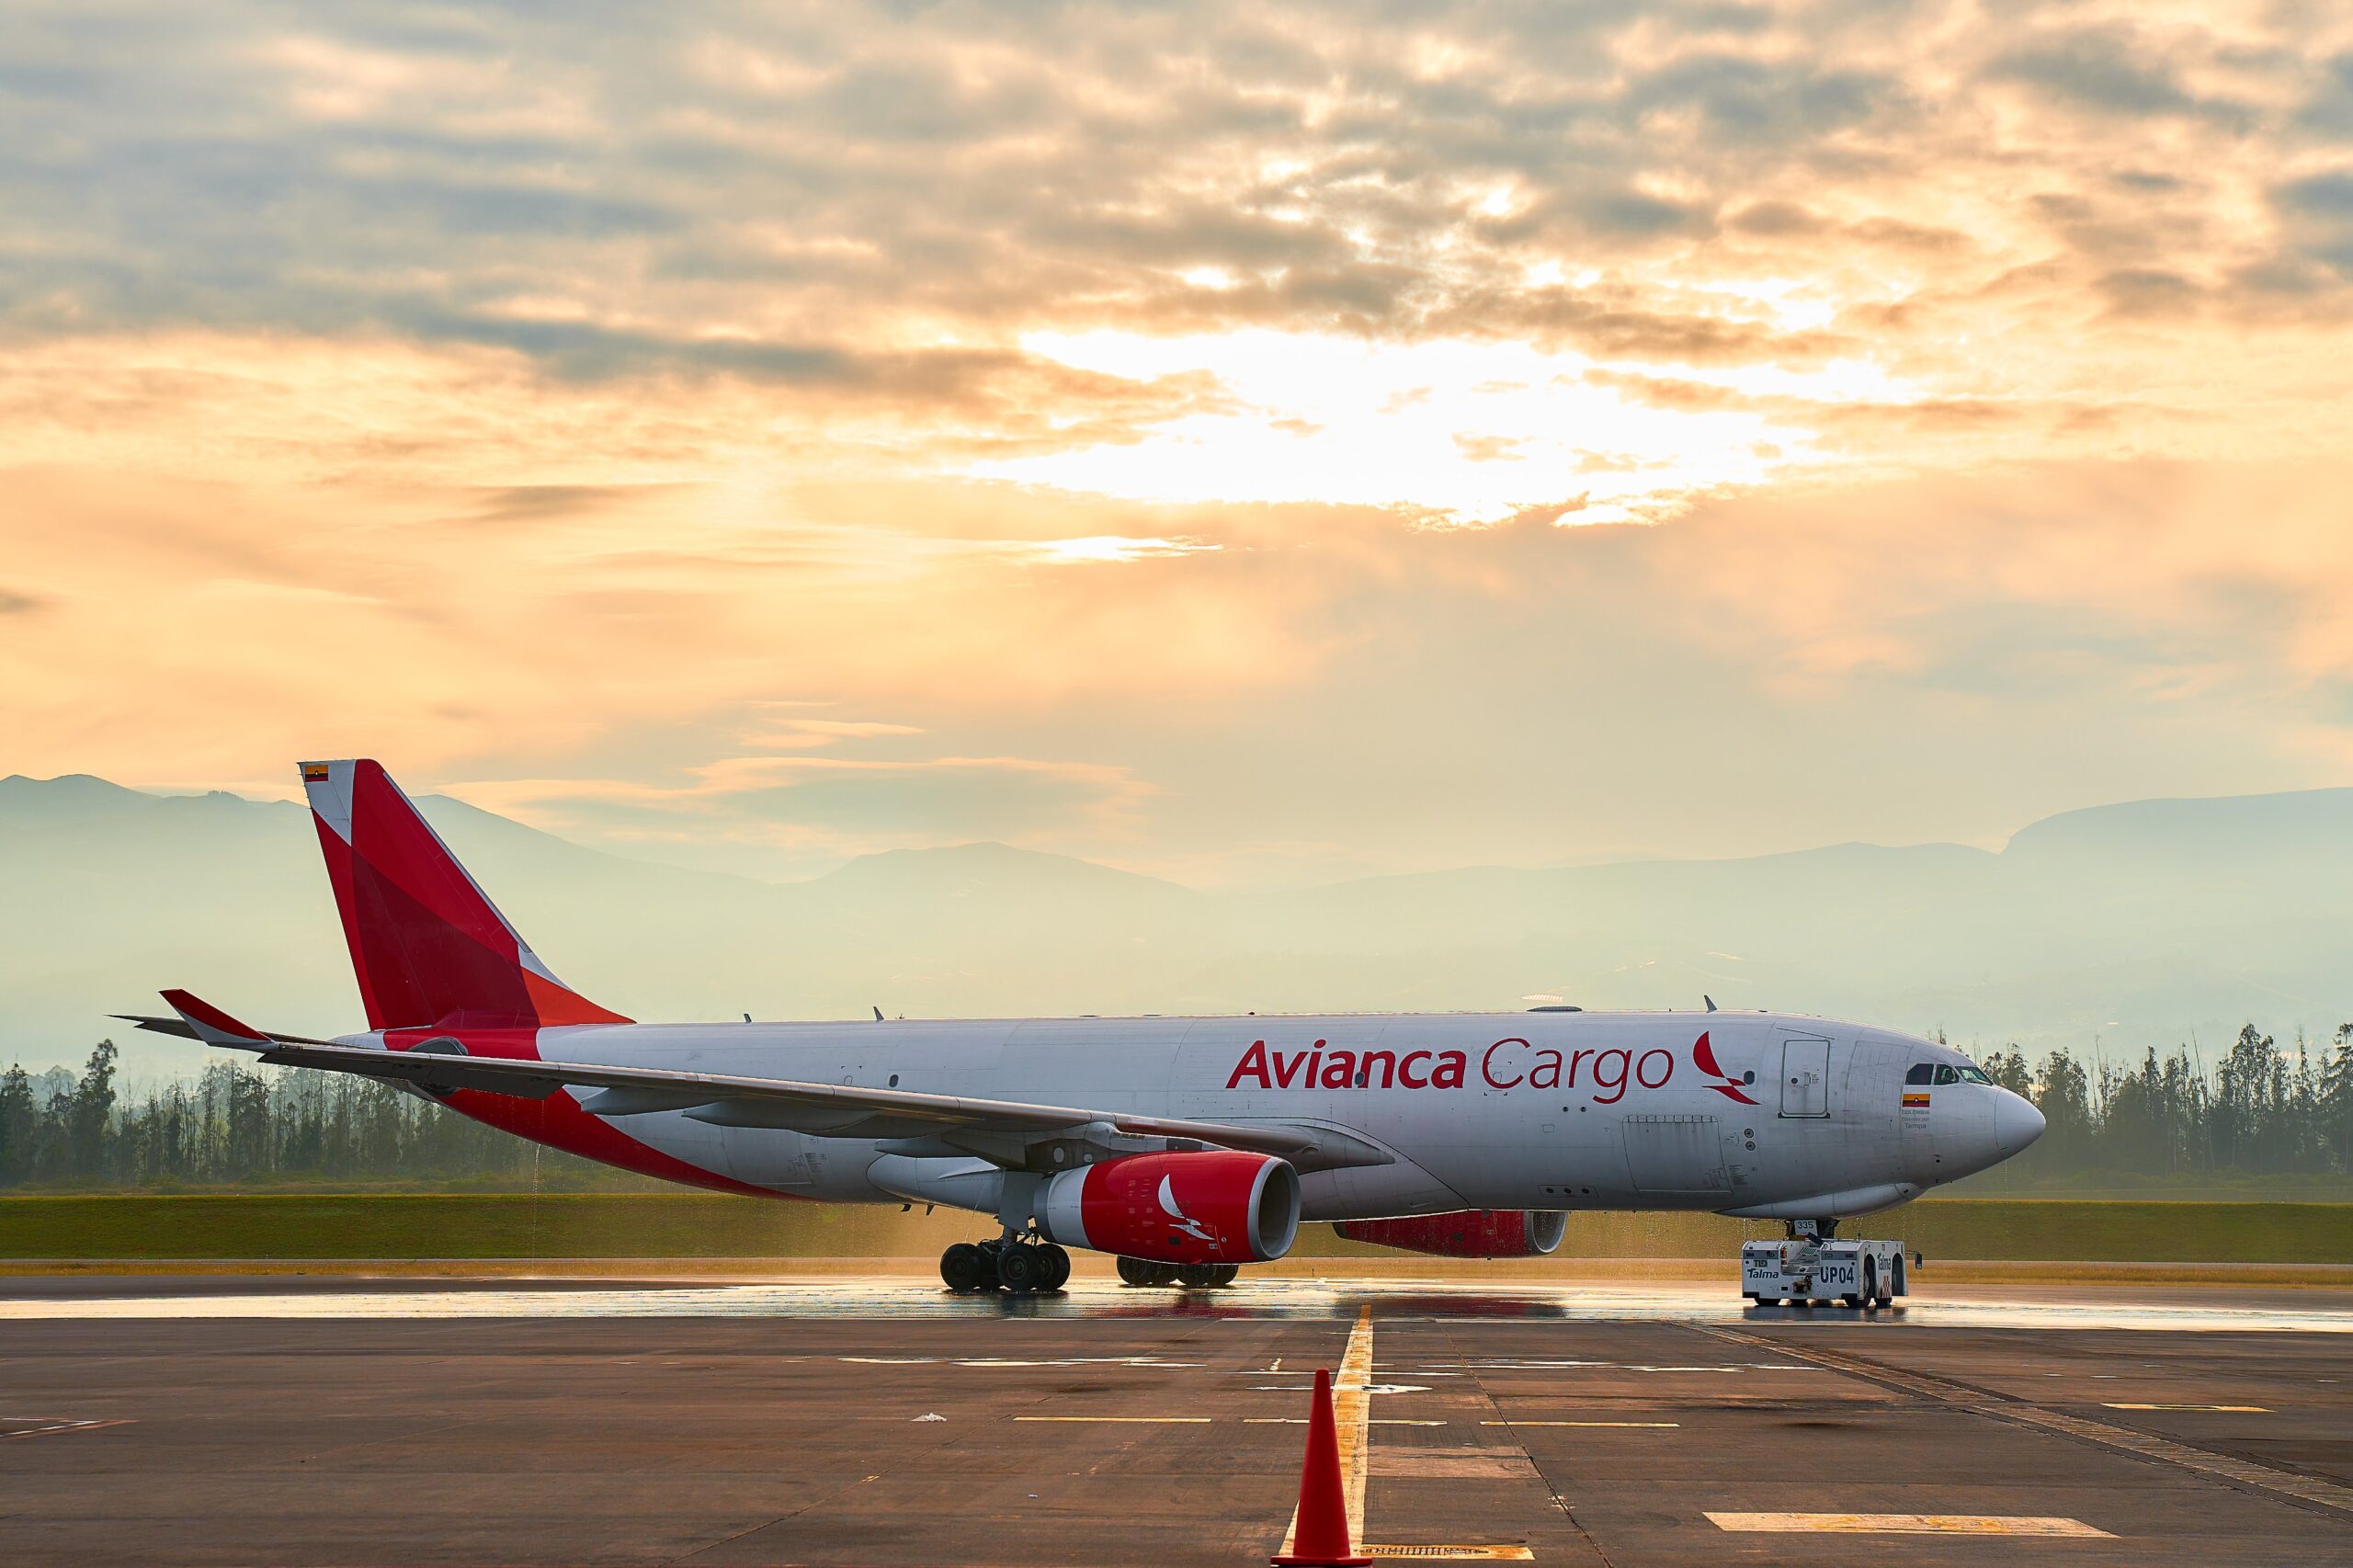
x,y
1507,1064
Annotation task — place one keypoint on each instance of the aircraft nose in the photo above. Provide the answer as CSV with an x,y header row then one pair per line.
x,y
2016,1123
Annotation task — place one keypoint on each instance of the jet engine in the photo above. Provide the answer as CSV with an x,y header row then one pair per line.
x,y
1466,1233
1207,1206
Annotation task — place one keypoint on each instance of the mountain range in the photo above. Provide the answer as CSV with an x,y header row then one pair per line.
x,y
2111,928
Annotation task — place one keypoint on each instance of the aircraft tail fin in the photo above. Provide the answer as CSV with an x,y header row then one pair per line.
x,y
429,948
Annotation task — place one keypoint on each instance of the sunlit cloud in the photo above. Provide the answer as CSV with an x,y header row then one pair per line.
x,y
1111,548
1465,431
1250,444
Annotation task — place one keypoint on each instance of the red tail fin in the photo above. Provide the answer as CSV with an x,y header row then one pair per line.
x,y
428,947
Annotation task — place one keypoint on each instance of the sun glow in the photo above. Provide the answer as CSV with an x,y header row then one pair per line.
x,y
1469,432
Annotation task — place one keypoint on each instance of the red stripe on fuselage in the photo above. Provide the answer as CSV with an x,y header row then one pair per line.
x,y
558,1122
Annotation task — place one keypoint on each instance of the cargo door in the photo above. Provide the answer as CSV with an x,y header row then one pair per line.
x,y
1675,1155
1805,1076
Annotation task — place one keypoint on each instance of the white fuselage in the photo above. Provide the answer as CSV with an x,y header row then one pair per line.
x,y
1539,1111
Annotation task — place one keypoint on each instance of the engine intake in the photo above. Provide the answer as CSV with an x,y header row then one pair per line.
x,y
1213,1206
1466,1233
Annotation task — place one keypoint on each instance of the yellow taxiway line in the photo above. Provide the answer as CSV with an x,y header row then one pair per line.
x,y
1351,1419
2249,1409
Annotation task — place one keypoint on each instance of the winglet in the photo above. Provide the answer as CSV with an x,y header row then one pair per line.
x,y
212,1026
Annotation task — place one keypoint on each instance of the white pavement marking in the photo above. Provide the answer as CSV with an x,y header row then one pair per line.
x,y
1961,1396
49,1427
1908,1524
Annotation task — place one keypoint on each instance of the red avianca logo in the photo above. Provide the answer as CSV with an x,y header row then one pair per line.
x,y
1605,1076
1704,1057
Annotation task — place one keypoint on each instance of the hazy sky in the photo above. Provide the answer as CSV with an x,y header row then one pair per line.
x,y
1249,444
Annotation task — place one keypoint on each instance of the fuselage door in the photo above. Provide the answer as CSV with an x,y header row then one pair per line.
x,y
1805,1076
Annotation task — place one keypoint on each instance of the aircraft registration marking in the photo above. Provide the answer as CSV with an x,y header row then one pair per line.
x,y
1908,1524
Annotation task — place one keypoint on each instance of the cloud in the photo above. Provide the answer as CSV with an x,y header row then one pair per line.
x,y
2318,213
1184,396
2107,69
787,814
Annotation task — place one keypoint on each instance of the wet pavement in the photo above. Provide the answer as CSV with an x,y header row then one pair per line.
x,y
917,1298
881,1421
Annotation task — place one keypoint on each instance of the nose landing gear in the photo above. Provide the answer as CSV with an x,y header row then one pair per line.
x,y
1022,1265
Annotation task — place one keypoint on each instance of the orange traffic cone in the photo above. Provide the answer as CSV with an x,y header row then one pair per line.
x,y
1320,1536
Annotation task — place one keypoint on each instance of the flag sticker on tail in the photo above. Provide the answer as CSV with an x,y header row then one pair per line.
x,y
314,773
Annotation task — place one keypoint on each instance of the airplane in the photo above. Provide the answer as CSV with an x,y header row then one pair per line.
x,y
1186,1147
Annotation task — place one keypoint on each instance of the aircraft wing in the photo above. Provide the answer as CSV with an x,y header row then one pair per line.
x,y
961,1123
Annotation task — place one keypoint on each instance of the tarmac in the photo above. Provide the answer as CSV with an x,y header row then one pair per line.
x,y
874,1420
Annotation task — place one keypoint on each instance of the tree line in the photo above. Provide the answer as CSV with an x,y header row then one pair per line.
x,y
2261,1110
236,1124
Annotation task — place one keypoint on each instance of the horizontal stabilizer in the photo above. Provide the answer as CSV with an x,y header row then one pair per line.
x,y
212,1026
198,1019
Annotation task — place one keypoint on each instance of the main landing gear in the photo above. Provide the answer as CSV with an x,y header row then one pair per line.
x,y
1191,1275
1023,1265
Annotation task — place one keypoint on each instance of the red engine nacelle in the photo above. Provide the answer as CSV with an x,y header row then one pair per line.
x,y
1466,1233
1213,1206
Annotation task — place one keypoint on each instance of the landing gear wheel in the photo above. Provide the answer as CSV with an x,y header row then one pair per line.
x,y
1197,1276
1138,1271
1057,1263
1020,1269
962,1267
1870,1296
1227,1273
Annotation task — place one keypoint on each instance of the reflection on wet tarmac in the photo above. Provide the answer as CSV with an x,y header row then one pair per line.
x,y
1394,1299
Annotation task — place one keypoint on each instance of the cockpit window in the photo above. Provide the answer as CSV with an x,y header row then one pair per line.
x,y
1923,1074
1970,1075
1947,1073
